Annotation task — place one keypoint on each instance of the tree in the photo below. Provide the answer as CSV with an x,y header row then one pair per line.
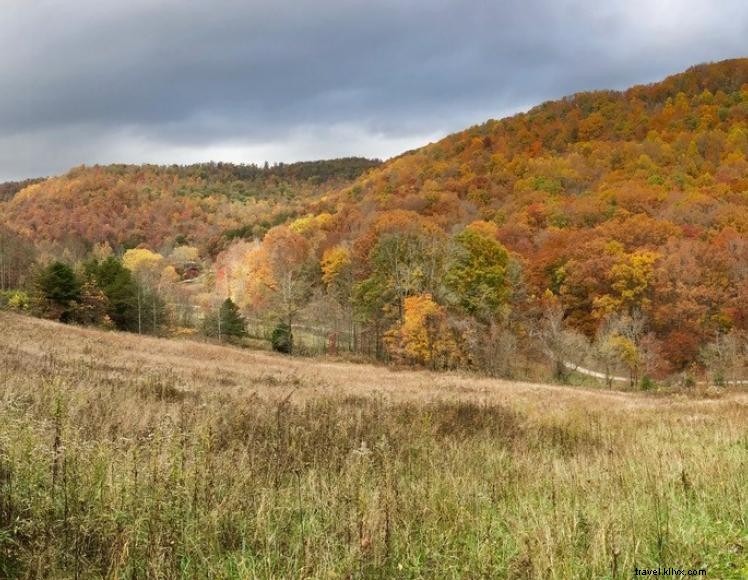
x,y
605,352
92,307
490,348
182,254
424,335
60,290
281,272
142,261
228,324
478,274
725,358
282,338
617,203
121,291
337,276
631,279
405,256
148,269
239,273
628,352
628,339
16,258
563,345
336,267
232,323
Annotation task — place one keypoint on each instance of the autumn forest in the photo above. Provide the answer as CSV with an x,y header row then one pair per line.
x,y
606,230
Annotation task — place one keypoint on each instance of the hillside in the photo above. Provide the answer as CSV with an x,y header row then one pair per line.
x,y
200,367
204,205
9,188
608,229
158,458
610,205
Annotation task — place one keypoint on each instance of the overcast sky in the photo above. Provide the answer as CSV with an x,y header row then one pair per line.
x,y
181,81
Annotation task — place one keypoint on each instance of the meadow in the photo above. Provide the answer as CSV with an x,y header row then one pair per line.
x,y
132,457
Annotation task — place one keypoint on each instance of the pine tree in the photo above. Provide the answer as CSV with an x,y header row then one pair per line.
x,y
121,290
228,324
59,291
232,323
282,338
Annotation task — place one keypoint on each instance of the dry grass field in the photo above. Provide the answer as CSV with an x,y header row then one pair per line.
x,y
129,457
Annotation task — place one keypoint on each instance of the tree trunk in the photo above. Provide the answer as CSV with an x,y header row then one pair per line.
x,y
140,313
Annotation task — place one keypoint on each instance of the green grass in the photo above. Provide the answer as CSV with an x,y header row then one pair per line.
x,y
121,469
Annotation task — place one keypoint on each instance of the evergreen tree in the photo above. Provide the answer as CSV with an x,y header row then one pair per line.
x,y
228,324
92,307
282,338
232,323
122,292
59,291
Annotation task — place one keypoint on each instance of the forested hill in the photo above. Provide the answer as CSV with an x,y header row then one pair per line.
x,y
607,225
611,206
9,188
682,133
205,204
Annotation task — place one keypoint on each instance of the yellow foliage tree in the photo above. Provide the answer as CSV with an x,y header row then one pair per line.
x,y
169,275
628,353
424,335
631,278
141,260
310,223
333,263
182,254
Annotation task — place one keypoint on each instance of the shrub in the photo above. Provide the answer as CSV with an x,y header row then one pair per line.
x,y
647,384
282,338
15,300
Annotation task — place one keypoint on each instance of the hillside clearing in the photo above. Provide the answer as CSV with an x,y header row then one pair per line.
x,y
195,365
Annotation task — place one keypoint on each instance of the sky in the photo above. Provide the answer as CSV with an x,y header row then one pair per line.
x,y
184,81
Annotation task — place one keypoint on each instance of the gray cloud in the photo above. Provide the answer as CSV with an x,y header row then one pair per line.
x,y
87,81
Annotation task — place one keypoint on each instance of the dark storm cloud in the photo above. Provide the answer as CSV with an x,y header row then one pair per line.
x,y
88,81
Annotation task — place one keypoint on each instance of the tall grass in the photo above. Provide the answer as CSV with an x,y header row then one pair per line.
x,y
117,467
